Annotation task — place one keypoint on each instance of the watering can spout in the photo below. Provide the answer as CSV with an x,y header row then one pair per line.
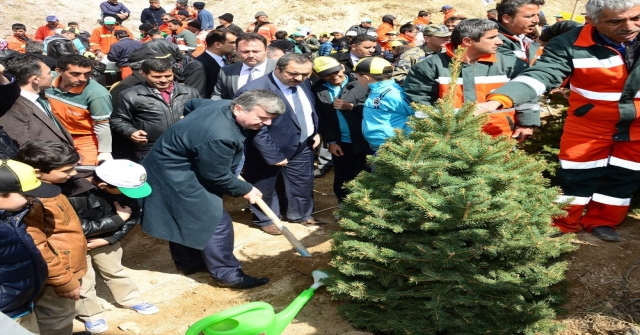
x,y
284,318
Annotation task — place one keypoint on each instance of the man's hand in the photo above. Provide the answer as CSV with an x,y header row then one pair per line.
x,y
316,141
253,195
521,134
487,107
139,136
94,243
73,295
282,163
335,149
122,15
123,212
342,105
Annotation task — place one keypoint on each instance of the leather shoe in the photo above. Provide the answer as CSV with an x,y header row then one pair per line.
x,y
311,222
606,233
246,282
271,229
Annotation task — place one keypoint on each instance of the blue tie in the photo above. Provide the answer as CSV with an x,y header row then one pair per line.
x,y
299,110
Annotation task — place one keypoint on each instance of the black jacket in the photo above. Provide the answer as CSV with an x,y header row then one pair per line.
x,y
119,51
328,124
23,271
96,210
153,16
202,74
139,108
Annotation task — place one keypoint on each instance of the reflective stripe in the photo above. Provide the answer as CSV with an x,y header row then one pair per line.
x,y
595,63
609,96
535,84
607,200
106,35
569,165
520,54
491,79
447,81
635,166
529,106
573,200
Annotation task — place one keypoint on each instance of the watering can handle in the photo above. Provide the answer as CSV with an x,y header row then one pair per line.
x,y
199,326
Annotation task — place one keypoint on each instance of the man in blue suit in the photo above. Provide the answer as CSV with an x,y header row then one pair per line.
x,y
285,148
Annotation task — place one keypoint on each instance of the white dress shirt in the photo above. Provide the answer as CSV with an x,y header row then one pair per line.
x,y
260,70
354,59
217,58
306,103
32,97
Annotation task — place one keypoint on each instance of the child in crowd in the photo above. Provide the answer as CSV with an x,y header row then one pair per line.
x,y
108,211
23,271
387,107
56,231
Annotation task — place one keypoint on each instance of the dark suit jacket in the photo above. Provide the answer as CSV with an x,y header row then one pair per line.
x,y
280,140
26,122
345,59
202,74
227,83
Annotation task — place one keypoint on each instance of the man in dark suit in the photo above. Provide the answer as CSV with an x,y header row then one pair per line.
x,y
251,48
202,72
286,146
31,116
361,46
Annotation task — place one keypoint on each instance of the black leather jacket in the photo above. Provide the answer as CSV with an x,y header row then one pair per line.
x,y
139,108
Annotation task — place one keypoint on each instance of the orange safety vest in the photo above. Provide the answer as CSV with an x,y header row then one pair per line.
x,y
102,38
17,44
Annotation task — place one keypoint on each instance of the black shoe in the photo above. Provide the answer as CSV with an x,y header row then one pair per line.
x,y
246,282
606,233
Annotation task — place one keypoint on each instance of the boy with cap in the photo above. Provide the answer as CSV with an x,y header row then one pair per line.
x,y
23,271
72,35
387,107
48,29
226,22
263,27
204,16
184,5
57,233
153,13
339,103
435,36
108,210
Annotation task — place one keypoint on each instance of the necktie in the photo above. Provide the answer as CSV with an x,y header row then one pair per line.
x,y
47,110
299,110
225,60
252,71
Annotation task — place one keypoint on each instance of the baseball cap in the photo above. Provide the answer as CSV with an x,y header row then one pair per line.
x,y
395,44
17,177
351,33
558,15
325,65
373,65
260,13
438,30
129,177
337,32
51,18
366,19
446,7
109,20
298,34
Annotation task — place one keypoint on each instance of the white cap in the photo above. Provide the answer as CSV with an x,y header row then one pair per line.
x,y
365,19
371,33
351,33
129,177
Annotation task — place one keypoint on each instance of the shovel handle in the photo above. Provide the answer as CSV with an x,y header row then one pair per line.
x,y
285,231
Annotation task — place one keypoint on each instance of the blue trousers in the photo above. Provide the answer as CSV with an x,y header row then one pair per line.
x,y
217,256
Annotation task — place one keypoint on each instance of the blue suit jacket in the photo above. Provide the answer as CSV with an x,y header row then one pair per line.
x,y
281,139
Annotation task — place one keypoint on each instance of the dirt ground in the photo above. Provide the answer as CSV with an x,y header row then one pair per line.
x,y
603,280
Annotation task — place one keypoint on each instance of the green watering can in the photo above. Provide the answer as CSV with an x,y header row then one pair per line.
x,y
255,318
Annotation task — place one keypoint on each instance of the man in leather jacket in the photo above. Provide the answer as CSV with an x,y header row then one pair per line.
x,y
144,112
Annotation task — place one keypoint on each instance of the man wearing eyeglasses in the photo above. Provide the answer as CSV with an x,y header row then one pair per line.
x,y
363,28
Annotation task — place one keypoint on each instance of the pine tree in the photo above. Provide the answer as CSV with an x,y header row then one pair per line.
x,y
450,234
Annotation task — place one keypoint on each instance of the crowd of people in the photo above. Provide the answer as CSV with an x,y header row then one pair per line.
x,y
194,105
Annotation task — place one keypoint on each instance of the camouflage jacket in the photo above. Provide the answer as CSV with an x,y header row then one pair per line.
x,y
410,58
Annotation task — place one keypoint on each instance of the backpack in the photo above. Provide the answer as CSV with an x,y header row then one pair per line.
x,y
60,47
